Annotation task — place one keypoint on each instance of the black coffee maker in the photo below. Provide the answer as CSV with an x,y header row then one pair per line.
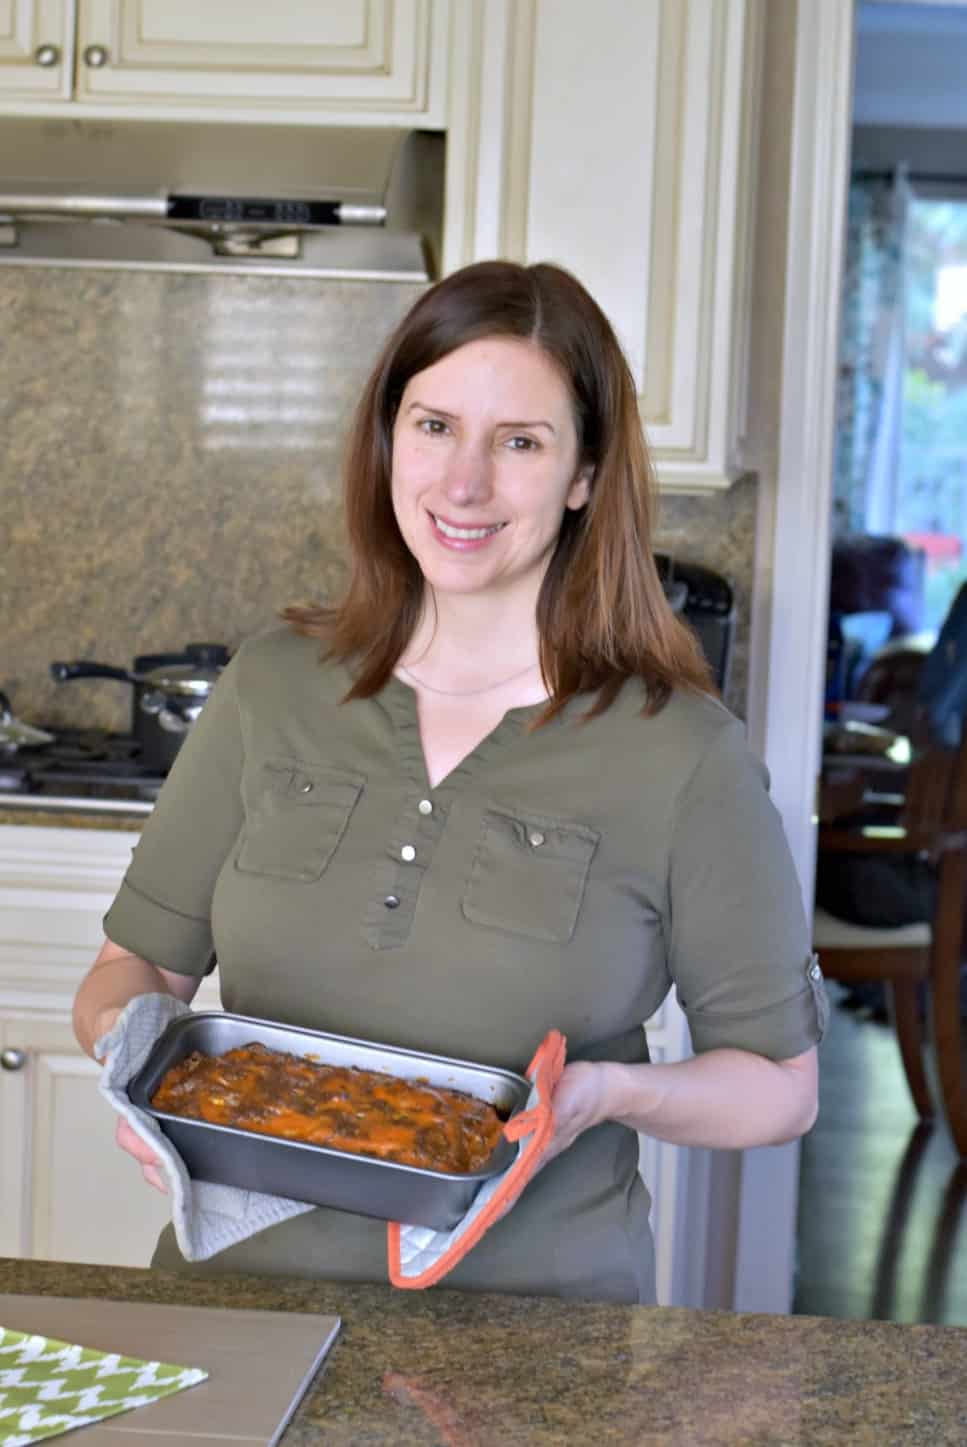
x,y
706,602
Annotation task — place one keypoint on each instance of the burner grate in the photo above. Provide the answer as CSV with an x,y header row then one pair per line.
x,y
85,763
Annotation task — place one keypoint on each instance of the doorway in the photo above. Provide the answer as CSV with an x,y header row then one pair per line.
x,y
881,1201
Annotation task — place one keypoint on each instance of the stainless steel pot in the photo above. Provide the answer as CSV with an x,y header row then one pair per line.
x,y
170,691
176,693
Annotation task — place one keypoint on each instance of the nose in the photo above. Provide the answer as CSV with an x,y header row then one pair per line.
x,y
469,477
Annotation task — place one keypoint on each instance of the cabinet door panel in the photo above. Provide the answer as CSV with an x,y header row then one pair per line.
x,y
665,1168
355,26
14,1147
32,31
78,1197
370,54
643,122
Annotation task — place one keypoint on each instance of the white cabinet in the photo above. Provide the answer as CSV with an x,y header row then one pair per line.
x,y
67,1193
36,49
673,1177
379,61
618,139
343,55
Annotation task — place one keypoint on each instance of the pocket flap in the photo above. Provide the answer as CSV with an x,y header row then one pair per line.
x,y
311,784
296,819
529,874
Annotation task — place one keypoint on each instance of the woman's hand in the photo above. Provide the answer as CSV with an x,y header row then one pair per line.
x,y
143,1154
124,1135
579,1102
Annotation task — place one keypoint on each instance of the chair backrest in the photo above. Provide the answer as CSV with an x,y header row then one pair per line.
x,y
893,680
935,795
942,687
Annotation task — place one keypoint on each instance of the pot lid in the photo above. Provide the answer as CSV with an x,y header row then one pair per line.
x,y
194,678
17,735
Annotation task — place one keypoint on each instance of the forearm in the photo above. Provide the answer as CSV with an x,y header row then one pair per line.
x,y
113,980
726,1099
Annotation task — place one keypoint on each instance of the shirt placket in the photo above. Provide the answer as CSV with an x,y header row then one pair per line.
x,y
412,842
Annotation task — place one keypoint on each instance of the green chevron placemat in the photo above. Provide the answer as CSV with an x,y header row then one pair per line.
x,y
49,1386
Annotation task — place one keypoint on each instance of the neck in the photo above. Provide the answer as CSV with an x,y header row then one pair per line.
x,y
457,638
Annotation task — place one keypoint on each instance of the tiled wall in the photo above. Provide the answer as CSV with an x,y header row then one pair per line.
x,y
170,468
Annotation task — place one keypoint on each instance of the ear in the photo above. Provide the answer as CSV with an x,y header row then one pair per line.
x,y
580,489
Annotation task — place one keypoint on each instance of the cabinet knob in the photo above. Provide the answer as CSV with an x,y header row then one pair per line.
x,y
96,56
47,55
13,1059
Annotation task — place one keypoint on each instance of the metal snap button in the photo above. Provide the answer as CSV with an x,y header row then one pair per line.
x,y
535,838
425,806
392,901
408,853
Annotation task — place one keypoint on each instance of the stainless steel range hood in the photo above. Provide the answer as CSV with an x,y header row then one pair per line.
x,y
360,203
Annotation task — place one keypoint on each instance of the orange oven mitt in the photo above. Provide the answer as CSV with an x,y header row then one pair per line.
x,y
420,1256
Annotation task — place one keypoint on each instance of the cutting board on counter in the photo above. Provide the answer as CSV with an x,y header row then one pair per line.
x,y
259,1364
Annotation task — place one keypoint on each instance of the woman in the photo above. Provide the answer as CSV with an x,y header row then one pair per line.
x,y
502,800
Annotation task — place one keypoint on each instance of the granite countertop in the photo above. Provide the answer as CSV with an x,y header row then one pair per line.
x,y
68,819
464,1370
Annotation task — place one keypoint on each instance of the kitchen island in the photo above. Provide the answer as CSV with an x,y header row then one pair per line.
x,y
461,1370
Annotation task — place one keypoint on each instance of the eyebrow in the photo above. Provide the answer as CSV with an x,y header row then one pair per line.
x,y
453,417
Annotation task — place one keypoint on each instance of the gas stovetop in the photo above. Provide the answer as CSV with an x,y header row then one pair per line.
x,y
83,769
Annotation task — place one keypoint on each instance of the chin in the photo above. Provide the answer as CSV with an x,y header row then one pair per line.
x,y
442,580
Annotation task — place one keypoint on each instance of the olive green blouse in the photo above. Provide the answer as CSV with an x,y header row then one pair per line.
x,y
565,877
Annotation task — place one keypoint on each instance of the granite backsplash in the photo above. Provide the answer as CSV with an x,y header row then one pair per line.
x,y
170,468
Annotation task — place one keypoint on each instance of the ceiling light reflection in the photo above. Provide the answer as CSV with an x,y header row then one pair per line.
x,y
262,440
258,387
246,415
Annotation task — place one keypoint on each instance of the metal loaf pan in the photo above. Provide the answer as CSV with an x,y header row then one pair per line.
x,y
318,1174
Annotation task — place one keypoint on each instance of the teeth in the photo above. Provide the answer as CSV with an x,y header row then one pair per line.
x,y
465,534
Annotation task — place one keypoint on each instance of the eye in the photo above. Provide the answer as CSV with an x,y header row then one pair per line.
x,y
522,443
432,426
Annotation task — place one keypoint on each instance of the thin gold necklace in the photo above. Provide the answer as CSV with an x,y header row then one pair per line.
x,y
467,692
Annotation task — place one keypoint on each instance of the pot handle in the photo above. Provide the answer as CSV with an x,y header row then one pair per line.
x,y
62,672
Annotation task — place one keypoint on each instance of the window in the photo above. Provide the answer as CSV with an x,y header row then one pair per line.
x,y
930,489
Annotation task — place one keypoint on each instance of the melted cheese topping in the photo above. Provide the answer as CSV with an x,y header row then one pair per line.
x,y
366,1112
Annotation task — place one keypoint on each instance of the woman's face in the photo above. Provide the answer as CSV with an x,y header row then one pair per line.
x,y
485,461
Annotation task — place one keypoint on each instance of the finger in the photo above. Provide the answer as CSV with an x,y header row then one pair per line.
x,y
153,1177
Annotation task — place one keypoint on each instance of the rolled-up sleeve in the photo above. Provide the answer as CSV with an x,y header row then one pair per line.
x,y
162,912
740,953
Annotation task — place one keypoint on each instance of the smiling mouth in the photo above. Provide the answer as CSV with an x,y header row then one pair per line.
x,y
465,535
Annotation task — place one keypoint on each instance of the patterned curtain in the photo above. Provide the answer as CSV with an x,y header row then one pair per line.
x,y
870,372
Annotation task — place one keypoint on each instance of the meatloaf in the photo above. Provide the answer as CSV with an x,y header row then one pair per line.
x,y
409,1122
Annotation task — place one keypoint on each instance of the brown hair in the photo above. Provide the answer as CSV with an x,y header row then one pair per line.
x,y
602,614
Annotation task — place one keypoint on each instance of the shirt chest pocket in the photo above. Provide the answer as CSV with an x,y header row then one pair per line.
x,y
529,874
298,816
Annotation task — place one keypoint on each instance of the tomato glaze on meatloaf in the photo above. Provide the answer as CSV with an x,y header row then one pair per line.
x,y
365,1112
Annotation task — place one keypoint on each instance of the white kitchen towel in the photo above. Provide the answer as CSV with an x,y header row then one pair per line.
x,y
207,1217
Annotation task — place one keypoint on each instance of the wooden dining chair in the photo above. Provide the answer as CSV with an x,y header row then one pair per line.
x,y
931,822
